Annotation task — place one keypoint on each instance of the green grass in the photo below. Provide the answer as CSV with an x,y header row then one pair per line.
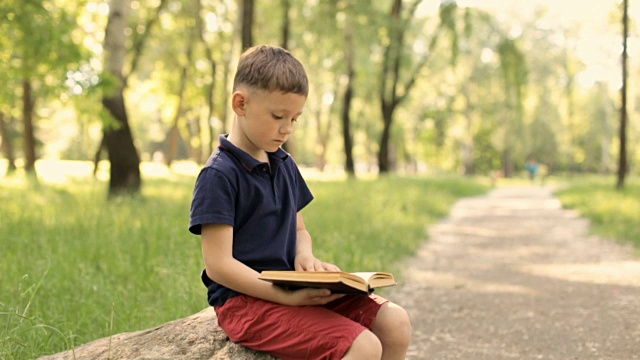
x,y
76,267
369,225
613,213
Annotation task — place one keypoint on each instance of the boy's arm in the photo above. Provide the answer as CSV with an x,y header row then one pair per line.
x,y
304,251
223,268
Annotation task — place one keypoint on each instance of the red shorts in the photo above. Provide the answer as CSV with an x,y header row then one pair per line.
x,y
298,332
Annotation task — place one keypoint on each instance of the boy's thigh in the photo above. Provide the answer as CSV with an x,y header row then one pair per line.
x,y
358,308
297,332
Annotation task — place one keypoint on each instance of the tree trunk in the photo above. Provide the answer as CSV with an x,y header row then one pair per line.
x,y
173,143
468,146
346,105
290,145
323,139
123,156
212,110
211,91
622,165
174,137
7,146
247,24
508,167
390,75
390,95
286,24
225,99
28,104
98,155
468,149
384,163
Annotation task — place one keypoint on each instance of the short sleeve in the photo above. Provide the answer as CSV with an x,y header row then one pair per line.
x,y
213,200
304,194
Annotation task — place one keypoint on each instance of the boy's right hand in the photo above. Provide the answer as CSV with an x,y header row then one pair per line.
x,y
309,296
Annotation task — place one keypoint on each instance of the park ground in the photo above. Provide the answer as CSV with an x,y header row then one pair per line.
x,y
513,275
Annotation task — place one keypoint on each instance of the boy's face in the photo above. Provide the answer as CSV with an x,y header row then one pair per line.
x,y
266,119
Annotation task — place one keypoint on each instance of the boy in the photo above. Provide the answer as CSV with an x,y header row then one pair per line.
x,y
246,207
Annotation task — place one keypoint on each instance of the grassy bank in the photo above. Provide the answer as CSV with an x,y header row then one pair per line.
x,y
613,213
76,267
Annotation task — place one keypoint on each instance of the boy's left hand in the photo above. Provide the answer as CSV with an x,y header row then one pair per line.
x,y
308,262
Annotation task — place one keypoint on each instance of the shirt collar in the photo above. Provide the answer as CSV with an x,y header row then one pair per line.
x,y
248,162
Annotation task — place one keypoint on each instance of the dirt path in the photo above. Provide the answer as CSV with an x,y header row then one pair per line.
x,y
512,275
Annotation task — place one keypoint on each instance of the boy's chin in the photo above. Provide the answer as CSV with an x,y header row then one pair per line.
x,y
272,147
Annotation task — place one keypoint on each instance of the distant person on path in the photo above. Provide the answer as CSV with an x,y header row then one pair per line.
x,y
247,206
532,167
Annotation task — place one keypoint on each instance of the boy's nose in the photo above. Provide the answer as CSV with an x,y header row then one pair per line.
x,y
286,129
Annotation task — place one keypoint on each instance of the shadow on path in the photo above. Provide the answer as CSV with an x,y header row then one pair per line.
x,y
512,275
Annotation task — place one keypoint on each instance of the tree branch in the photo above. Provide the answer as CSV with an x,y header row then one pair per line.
x,y
139,42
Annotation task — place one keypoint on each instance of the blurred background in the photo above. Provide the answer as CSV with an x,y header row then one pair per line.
x,y
409,87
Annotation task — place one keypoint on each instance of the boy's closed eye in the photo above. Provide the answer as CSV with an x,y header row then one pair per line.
x,y
279,117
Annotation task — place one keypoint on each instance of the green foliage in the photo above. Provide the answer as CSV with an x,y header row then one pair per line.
x,y
39,30
449,18
514,68
490,85
40,46
76,267
541,140
613,213
487,156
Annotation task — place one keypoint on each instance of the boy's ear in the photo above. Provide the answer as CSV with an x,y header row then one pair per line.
x,y
239,102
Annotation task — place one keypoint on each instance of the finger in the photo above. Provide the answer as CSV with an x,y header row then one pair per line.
x,y
332,297
319,293
306,267
321,296
331,267
328,266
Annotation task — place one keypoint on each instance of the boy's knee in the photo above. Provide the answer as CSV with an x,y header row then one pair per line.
x,y
393,325
365,346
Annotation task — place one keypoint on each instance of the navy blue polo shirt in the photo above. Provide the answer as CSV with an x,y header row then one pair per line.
x,y
259,200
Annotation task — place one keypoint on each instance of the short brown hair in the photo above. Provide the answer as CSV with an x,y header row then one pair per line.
x,y
271,68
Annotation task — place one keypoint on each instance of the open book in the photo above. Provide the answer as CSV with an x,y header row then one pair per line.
x,y
338,282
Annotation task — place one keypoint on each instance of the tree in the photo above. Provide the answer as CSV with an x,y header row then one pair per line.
x,y
7,147
34,33
512,66
117,137
174,132
211,89
622,164
289,146
286,23
247,24
392,93
553,120
118,140
473,36
346,101
29,138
